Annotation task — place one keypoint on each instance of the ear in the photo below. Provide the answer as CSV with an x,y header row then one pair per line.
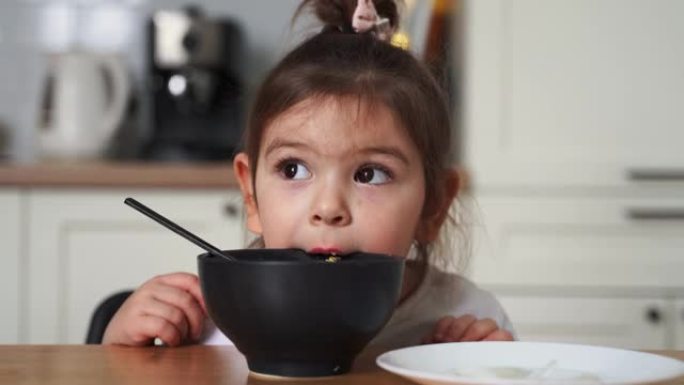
x,y
243,173
429,226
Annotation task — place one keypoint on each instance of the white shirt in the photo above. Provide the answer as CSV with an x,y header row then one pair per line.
x,y
439,294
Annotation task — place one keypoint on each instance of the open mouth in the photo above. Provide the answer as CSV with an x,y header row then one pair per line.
x,y
329,254
326,251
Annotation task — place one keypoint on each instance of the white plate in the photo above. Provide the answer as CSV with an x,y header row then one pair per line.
x,y
518,363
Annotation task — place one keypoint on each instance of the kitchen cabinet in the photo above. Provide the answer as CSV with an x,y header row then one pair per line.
x,y
10,275
85,244
632,323
572,93
678,319
584,269
572,138
592,240
593,269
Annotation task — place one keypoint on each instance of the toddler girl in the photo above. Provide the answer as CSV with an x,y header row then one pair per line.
x,y
347,150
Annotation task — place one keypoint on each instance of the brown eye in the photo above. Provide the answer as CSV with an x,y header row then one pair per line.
x,y
293,170
290,171
365,175
372,175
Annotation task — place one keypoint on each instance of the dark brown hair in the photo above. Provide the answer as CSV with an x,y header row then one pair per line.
x,y
340,63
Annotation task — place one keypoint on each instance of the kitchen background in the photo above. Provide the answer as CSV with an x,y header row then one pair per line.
x,y
568,125
30,30
235,43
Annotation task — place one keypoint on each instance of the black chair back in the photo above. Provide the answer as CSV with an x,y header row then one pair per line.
x,y
103,314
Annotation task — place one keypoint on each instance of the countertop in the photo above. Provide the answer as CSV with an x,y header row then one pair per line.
x,y
118,174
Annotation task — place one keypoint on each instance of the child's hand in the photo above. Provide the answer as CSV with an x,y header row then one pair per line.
x,y
169,307
466,328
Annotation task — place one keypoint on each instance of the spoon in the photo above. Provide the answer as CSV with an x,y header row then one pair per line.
x,y
213,250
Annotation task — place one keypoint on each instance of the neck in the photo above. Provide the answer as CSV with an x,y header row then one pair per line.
x,y
413,277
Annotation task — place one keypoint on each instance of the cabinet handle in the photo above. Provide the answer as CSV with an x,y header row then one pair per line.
x,y
656,175
656,214
231,210
653,315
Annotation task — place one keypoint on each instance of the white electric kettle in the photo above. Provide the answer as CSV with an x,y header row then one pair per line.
x,y
85,100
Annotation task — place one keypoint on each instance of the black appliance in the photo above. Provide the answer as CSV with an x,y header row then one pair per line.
x,y
196,91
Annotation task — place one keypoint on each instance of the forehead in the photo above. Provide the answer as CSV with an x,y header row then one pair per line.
x,y
339,122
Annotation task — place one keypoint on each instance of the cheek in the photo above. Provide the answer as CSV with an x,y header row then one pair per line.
x,y
388,238
390,224
279,213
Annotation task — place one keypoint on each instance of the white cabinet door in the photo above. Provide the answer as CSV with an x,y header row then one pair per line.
x,y
574,92
678,321
11,231
620,322
591,241
86,245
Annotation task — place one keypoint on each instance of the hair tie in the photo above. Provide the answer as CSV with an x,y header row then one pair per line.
x,y
366,19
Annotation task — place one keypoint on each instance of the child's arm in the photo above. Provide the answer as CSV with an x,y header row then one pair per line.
x,y
169,307
466,328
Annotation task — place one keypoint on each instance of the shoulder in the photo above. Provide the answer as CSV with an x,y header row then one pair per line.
x,y
461,292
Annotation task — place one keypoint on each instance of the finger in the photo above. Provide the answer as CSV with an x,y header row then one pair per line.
x,y
499,335
157,327
186,302
168,312
441,330
431,337
148,328
188,282
126,326
458,327
479,330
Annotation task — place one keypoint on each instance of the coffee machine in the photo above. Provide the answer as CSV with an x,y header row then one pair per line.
x,y
195,92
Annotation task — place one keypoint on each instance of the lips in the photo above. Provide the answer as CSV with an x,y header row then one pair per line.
x,y
325,250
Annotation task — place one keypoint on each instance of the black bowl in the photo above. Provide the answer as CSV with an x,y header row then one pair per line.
x,y
293,314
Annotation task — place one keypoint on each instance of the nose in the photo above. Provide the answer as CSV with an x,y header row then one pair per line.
x,y
330,208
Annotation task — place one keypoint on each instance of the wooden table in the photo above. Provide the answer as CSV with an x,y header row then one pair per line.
x,y
102,365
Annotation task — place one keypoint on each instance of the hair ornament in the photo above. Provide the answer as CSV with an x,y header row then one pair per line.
x,y
366,19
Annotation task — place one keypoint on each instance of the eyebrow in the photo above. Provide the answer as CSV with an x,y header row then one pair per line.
x,y
385,150
278,143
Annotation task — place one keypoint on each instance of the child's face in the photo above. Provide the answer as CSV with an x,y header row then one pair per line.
x,y
336,176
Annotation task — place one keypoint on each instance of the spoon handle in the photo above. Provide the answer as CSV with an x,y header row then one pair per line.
x,y
176,228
